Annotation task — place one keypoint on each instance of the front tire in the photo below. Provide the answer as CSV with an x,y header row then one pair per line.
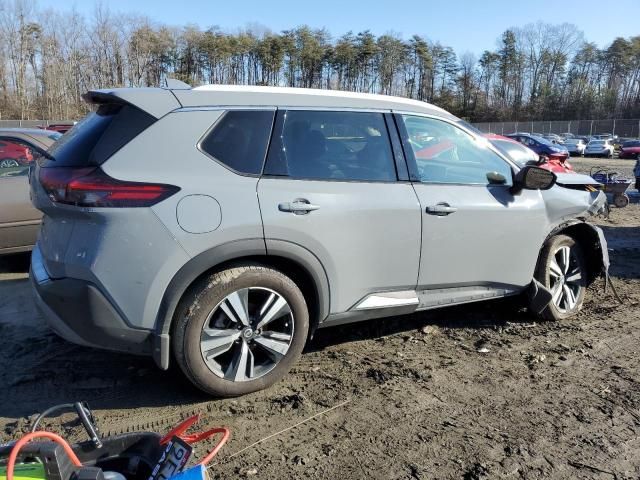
x,y
240,330
562,269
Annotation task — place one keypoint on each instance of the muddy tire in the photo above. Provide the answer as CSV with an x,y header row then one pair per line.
x,y
240,330
621,200
562,269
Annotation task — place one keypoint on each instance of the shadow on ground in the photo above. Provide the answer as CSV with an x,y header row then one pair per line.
x,y
45,370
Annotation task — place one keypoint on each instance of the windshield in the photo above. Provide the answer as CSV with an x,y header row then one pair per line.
x,y
468,126
572,141
520,154
632,143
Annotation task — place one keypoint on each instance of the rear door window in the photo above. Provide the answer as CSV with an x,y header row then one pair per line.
x,y
330,145
15,157
99,135
239,140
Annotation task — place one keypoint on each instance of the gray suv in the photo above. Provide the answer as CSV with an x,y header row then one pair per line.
x,y
221,226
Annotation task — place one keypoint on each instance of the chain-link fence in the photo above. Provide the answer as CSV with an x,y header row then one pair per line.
x,y
30,123
628,127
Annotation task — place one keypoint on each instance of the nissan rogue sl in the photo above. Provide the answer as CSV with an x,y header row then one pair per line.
x,y
219,226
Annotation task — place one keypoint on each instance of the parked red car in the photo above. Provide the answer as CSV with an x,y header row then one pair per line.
x,y
557,165
14,154
630,149
523,155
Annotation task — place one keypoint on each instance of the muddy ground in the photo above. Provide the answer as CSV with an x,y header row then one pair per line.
x,y
415,396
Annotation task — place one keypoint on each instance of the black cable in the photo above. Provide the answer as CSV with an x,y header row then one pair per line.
x,y
48,412
84,414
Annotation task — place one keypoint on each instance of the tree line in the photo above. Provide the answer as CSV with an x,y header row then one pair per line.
x,y
48,59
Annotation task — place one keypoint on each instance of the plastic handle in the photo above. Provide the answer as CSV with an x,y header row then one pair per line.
x,y
297,207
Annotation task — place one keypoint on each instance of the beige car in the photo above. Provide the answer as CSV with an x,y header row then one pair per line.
x,y
19,221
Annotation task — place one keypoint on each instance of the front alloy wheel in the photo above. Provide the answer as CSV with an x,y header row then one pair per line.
x,y
565,279
240,330
562,270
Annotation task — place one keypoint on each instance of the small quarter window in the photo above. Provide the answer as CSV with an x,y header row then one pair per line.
x,y
240,139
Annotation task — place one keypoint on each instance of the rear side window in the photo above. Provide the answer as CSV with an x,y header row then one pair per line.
x,y
15,157
99,135
352,146
239,140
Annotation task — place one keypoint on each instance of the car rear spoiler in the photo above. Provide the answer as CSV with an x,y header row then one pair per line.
x,y
155,101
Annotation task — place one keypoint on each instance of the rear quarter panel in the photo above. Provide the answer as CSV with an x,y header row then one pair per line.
x,y
167,153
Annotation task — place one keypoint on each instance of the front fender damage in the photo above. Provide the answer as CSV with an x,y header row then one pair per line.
x,y
594,245
569,209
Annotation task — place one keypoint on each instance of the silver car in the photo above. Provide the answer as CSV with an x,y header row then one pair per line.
x,y
221,226
599,148
19,220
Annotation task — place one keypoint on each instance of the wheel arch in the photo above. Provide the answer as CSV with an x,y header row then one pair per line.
x,y
291,259
587,237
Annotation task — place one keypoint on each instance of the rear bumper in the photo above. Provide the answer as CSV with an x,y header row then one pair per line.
x,y
78,312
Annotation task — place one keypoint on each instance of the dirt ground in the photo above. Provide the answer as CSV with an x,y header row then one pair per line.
x,y
473,392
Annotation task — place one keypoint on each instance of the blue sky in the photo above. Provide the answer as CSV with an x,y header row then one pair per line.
x,y
464,25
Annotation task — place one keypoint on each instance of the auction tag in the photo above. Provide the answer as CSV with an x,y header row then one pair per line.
x,y
173,459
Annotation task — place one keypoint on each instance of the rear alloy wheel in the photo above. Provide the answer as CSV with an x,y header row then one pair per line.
x,y
562,270
8,162
241,330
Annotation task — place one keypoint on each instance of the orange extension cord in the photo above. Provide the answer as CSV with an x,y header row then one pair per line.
x,y
30,436
180,432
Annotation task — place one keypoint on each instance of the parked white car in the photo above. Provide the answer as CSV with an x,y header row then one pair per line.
x,y
575,146
599,148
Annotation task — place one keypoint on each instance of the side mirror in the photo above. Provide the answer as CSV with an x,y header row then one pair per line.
x,y
496,178
533,178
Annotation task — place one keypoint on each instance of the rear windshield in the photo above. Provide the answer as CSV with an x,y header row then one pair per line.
x,y
98,136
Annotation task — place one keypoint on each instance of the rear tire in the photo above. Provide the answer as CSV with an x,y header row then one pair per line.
x,y
562,269
220,339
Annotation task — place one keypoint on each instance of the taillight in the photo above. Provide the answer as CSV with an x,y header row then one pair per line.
x,y
91,187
